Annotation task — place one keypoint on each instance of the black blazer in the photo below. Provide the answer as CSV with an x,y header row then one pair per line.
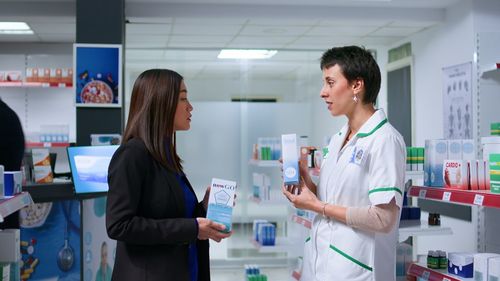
x,y
145,212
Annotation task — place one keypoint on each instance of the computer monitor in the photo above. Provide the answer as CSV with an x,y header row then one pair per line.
x,y
89,167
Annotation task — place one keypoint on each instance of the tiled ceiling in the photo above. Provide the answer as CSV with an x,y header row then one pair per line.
x,y
188,34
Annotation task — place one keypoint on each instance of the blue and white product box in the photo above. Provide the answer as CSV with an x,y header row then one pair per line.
x,y
220,202
473,183
255,228
454,149
2,189
461,264
427,163
468,151
481,269
267,234
494,269
290,159
13,183
438,153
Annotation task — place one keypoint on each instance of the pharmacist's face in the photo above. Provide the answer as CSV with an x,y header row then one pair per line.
x,y
182,119
337,91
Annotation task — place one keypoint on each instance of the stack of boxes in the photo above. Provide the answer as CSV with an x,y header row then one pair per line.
x,y
415,158
264,232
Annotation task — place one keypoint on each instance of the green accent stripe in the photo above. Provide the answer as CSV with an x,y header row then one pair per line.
x,y
384,189
308,239
351,258
362,135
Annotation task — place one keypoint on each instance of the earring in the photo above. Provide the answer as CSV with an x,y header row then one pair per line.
x,y
355,98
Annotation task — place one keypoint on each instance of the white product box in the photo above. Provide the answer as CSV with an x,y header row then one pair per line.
x,y
290,159
43,174
490,145
468,151
220,202
481,261
438,152
481,174
455,174
494,269
9,243
427,162
473,183
455,149
4,272
40,157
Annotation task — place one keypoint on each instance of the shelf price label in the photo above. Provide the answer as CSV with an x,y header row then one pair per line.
x,y
478,199
426,274
446,196
422,193
446,279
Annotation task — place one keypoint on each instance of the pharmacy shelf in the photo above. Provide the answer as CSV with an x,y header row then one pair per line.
x,y
303,221
282,244
421,271
274,202
265,163
46,144
467,197
34,85
491,68
296,275
11,204
409,228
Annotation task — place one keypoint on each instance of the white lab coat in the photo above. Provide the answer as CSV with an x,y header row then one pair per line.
x,y
368,170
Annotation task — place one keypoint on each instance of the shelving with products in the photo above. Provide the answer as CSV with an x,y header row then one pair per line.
x,y
421,271
14,203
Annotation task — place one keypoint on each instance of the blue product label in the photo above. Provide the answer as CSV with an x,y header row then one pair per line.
x,y
221,214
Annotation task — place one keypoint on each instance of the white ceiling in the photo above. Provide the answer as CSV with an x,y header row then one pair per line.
x,y
160,32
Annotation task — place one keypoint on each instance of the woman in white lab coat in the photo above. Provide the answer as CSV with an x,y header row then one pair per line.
x,y
359,195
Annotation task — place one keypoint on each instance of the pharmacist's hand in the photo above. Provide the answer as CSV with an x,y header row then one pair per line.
x,y
205,198
208,229
305,199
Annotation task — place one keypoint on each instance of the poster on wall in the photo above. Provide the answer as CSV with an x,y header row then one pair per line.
x,y
457,101
50,241
98,249
97,75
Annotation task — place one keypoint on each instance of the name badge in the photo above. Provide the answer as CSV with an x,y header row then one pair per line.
x,y
358,156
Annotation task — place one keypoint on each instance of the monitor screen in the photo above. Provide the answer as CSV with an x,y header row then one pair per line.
x,y
89,167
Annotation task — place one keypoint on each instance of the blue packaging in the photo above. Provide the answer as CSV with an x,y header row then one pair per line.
x,y
13,183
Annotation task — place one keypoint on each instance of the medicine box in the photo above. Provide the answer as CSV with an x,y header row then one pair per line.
x,y
461,264
494,173
290,159
220,202
494,269
481,270
455,174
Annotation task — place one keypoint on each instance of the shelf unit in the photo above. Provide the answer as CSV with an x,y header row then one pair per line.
x,y
11,204
264,163
34,85
409,228
46,144
490,68
421,271
467,197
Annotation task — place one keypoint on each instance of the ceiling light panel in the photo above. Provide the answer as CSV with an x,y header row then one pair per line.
x,y
246,54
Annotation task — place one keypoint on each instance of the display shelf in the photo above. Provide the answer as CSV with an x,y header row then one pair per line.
x,y
468,197
34,85
50,192
47,144
409,228
282,244
303,221
421,271
296,275
491,68
264,163
11,204
259,201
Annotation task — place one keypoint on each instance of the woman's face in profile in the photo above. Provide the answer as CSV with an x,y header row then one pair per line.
x,y
182,119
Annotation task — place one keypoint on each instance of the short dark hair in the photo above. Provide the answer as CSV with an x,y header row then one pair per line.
x,y
151,116
355,63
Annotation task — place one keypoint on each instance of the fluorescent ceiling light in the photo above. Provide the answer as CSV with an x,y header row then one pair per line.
x,y
15,28
246,54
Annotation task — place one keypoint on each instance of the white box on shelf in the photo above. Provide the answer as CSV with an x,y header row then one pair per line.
x,y
220,202
290,159
455,174
468,151
10,245
481,260
494,269
473,183
455,149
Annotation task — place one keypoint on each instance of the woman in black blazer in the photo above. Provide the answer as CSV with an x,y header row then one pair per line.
x,y
152,209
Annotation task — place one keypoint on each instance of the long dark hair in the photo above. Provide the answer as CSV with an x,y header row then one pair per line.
x,y
151,117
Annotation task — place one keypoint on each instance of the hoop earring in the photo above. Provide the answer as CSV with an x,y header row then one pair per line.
x,y
355,98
